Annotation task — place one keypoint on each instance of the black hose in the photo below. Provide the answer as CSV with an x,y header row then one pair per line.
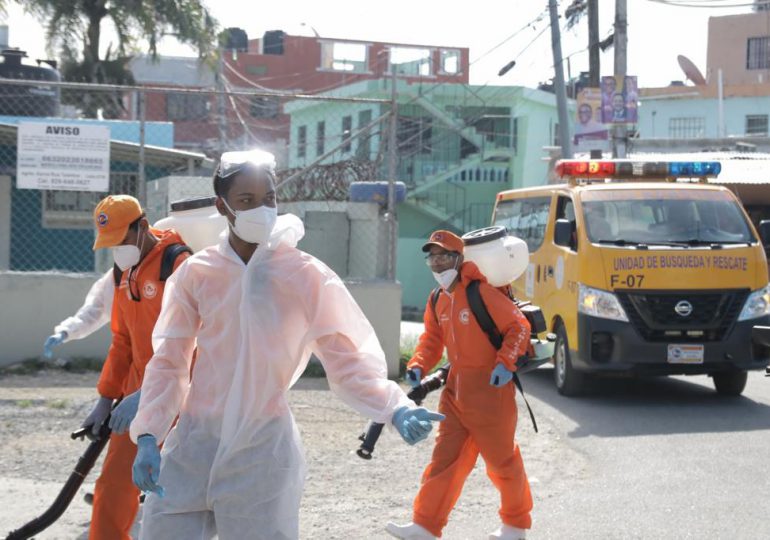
x,y
417,394
71,486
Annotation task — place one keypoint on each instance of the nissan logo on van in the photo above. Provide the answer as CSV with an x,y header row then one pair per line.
x,y
683,308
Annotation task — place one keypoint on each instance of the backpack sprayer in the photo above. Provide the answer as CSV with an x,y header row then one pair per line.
x,y
502,259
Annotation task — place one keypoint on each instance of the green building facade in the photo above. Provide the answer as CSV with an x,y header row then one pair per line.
x,y
458,146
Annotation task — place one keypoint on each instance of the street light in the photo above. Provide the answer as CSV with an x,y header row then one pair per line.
x,y
506,68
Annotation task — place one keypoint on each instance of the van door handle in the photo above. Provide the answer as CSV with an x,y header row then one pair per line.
x,y
538,273
550,271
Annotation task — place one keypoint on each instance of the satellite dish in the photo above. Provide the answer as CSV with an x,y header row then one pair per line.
x,y
692,72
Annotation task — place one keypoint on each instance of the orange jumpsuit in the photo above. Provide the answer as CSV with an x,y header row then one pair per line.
x,y
480,418
116,499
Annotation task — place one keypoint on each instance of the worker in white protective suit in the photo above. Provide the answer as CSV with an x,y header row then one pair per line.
x,y
258,307
92,315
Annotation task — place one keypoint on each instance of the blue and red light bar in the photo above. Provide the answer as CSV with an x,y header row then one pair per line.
x,y
637,169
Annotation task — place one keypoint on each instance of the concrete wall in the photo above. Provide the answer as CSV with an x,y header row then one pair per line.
x,y
728,44
350,237
655,114
32,303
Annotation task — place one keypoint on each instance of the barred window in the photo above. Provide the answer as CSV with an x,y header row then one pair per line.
x,y
758,53
181,107
74,209
320,134
301,141
687,127
756,124
264,107
347,128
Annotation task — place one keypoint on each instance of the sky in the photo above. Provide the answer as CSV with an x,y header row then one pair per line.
x,y
657,32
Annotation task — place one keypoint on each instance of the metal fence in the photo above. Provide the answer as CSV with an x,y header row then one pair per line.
x,y
164,144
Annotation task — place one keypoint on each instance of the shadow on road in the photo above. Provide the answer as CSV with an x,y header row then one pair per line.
x,y
649,406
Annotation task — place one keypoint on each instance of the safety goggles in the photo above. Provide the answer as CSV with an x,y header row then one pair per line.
x,y
440,258
234,162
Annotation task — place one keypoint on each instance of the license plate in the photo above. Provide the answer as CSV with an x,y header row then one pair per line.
x,y
685,354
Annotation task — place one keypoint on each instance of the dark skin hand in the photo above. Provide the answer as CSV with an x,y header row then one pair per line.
x,y
249,190
441,260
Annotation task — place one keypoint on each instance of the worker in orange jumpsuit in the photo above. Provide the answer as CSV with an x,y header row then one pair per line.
x,y
138,251
478,401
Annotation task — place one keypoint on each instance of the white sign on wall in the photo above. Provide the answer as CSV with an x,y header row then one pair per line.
x,y
63,156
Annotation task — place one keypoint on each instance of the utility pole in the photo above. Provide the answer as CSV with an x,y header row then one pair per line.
x,y
561,91
392,171
221,111
594,66
620,132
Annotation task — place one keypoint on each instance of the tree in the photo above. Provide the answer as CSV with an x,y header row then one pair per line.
x,y
74,30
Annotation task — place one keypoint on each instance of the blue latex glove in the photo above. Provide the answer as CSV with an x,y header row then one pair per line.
x,y
414,424
413,377
147,465
53,341
501,376
124,413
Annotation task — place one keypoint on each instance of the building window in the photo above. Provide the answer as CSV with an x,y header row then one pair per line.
x,y
515,135
341,56
450,62
75,209
301,141
687,127
347,128
756,124
320,133
415,135
758,53
364,148
556,134
525,219
181,107
263,107
411,61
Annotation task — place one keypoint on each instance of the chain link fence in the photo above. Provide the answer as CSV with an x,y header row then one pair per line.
x,y
164,145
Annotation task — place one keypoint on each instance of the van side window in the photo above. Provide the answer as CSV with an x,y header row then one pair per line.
x,y
565,209
525,219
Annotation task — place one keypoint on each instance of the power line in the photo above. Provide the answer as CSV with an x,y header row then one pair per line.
x,y
710,4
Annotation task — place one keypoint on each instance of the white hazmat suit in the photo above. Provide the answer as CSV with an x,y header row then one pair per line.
x,y
233,464
94,313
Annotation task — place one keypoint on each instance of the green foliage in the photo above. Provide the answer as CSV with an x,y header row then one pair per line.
x,y
58,404
69,24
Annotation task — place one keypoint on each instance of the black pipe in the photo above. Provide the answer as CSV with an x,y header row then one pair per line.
x,y
71,486
417,394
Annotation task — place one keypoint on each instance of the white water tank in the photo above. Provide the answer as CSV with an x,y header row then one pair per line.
x,y
196,220
500,257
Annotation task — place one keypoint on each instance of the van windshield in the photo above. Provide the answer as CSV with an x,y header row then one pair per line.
x,y
664,217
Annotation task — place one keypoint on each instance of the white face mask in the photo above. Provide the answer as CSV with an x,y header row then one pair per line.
x,y
254,226
446,278
127,256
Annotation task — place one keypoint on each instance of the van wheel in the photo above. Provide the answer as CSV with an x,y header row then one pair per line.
x,y
569,382
730,383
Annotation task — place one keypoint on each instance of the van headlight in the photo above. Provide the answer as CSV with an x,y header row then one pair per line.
x,y
757,305
600,303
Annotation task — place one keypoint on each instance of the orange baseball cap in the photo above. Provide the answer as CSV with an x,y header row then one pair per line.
x,y
445,239
112,216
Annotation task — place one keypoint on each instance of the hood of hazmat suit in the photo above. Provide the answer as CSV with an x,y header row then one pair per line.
x,y
235,449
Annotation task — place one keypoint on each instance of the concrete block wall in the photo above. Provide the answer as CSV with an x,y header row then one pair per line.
x,y
32,303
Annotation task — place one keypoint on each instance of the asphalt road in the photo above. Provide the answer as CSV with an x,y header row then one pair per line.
x,y
663,458
656,458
